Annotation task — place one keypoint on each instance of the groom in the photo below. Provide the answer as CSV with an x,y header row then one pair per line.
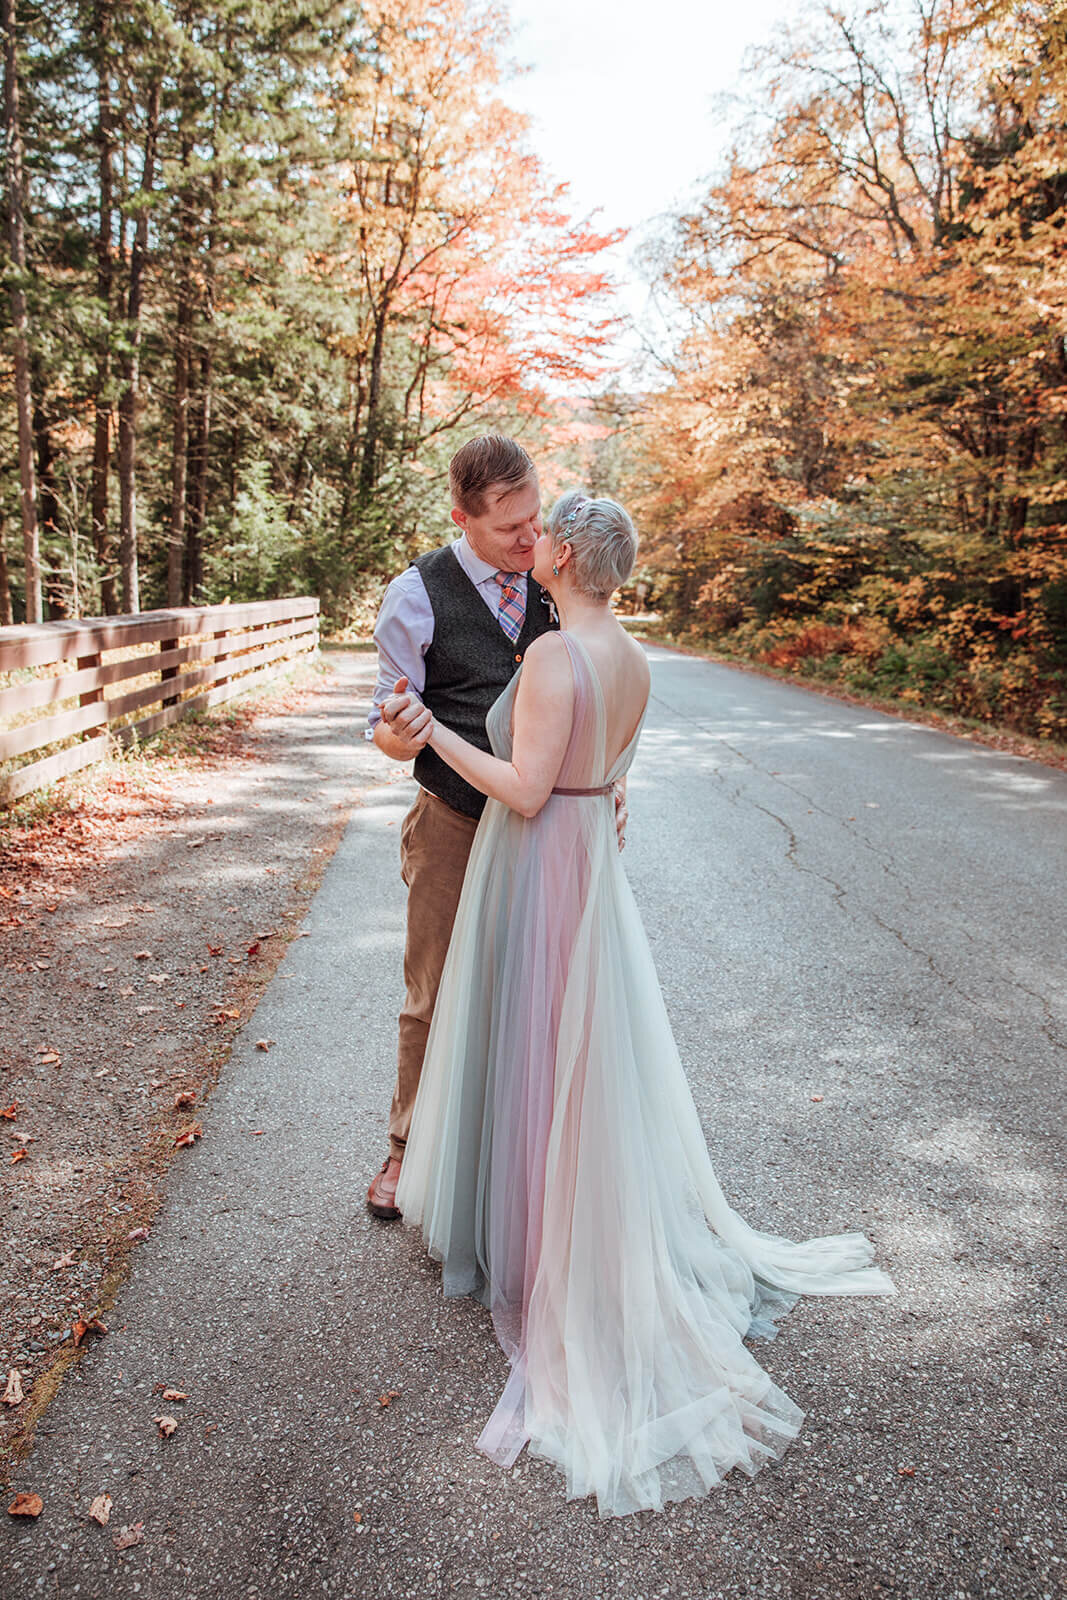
x,y
456,626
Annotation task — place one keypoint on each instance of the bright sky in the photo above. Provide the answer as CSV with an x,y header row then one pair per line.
x,y
621,95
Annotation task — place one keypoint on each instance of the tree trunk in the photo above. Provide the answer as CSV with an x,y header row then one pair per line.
x,y
50,532
368,467
6,617
19,324
98,495
131,597
199,435
180,444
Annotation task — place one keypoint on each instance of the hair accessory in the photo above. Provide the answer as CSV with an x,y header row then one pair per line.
x,y
573,512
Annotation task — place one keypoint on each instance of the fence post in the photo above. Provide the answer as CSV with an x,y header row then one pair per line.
x,y
168,673
221,655
91,696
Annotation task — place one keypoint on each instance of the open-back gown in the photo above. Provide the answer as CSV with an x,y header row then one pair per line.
x,y
558,1170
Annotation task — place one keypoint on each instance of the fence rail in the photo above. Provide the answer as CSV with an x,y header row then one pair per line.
x,y
198,657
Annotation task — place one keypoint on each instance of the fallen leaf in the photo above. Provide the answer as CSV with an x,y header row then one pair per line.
x,y
10,1111
253,949
225,1011
357,1516
184,1098
215,949
175,1394
69,1260
906,1472
49,1056
137,1233
100,1510
143,955
131,1535
257,1131
389,1395
261,1044
816,1097
18,1155
26,1505
102,1072
12,1395
158,977
189,1135
81,1328
166,1425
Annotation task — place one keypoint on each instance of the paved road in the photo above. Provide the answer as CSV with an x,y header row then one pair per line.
x,y
859,928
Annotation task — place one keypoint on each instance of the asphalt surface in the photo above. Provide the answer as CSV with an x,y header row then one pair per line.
x,y
858,923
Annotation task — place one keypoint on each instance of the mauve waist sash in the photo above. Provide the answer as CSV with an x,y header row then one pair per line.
x,y
605,788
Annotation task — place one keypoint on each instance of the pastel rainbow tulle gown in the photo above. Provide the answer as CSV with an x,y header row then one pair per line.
x,y
558,1171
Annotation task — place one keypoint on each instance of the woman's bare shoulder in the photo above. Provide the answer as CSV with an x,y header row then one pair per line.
x,y
637,659
547,663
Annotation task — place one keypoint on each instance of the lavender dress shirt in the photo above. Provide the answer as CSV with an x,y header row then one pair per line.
x,y
404,630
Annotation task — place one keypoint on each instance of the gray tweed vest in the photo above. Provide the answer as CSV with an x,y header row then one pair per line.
x,y
469,662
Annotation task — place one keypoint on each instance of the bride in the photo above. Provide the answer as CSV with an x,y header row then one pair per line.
x,y
555,1163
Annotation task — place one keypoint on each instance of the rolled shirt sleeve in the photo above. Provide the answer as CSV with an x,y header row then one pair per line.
x,y
402,634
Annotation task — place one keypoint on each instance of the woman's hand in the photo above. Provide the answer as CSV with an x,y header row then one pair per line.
x,y
622,814
406,724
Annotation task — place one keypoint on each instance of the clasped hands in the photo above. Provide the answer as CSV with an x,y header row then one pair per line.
x,y
411,726
408,720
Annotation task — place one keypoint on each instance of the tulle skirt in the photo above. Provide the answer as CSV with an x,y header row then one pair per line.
x,y
558,1171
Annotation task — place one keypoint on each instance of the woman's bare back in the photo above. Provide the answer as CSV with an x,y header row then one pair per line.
x,y
622,668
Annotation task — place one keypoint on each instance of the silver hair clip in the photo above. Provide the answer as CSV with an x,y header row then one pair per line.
x,y
573,512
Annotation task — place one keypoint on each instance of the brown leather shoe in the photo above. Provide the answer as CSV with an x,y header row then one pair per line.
x,y
381,1196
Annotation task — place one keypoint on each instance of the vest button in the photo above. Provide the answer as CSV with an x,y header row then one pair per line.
x,y
519,656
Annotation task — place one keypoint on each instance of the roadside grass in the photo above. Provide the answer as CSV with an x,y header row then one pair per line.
x,y
895,687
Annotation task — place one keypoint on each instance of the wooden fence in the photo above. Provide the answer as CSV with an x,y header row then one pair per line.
x,y
182,661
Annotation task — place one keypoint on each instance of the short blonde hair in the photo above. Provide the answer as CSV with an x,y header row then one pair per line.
x,y
603,538
492,461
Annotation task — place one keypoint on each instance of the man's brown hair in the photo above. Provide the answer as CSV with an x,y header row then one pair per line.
x,y
486,462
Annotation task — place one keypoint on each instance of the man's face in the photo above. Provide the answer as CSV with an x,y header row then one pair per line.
x,y
507,530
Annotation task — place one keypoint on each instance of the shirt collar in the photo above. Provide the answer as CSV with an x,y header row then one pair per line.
x,y
477,570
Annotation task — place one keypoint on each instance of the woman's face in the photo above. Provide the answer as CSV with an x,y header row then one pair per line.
x,y
543,560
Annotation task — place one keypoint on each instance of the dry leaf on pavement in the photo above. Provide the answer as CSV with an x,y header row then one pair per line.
x,y
188,1135
131,1535
100,1510
12,1395
175,1394
166,1425
184,1099
26,1505
81,1328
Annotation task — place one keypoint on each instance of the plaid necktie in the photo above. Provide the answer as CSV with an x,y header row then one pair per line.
x,y
511,612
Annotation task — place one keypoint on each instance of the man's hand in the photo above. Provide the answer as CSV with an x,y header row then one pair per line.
x,y
622,815
406,724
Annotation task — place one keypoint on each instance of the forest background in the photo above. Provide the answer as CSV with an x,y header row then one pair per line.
x,y
269,263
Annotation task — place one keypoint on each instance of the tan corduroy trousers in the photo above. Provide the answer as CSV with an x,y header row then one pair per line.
x,y
435,843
